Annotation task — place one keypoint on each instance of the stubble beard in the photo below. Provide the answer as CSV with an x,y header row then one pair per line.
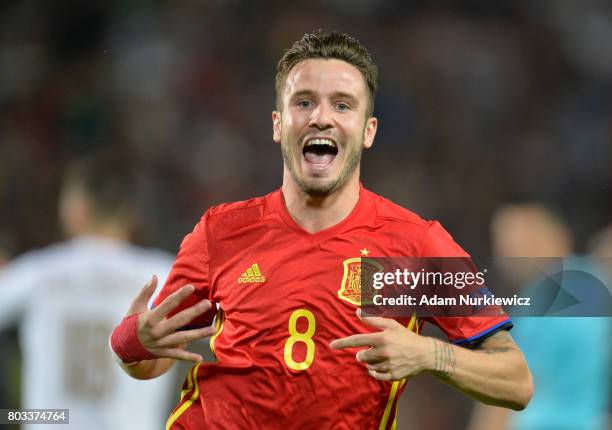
x,y
328,187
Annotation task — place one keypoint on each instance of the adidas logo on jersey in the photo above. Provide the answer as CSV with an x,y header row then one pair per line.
x,y
252,275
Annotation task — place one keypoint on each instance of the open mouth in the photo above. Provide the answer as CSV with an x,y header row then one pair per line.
x,y
320,152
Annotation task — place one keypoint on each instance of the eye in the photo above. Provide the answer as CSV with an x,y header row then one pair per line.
x,y
342,107
304,104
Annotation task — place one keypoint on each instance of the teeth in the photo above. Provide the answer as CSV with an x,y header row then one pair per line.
x,y
325,142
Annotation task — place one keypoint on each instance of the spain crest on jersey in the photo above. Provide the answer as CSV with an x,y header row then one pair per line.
x,y
358,275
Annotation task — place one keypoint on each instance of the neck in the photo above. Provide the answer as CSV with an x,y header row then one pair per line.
x,y
317,213
103,230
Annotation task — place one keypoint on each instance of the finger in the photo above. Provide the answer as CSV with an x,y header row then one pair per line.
x,y
382,367
371,356
170,302
381,376
377,322
180,339
185,317
139,304
179,354
369,339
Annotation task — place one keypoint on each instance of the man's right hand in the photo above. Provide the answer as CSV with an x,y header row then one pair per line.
x,y
159,334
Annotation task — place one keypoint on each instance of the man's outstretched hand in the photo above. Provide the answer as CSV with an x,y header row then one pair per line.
x,y
394,352
159,334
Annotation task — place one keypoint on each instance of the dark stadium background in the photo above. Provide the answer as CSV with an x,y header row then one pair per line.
x,y
479,103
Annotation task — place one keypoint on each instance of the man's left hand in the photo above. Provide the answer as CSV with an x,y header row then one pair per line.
x,y
394,353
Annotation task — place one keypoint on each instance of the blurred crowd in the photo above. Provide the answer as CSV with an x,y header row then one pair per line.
x,y
479,103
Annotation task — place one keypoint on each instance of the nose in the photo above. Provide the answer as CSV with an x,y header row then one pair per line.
x,y
321,117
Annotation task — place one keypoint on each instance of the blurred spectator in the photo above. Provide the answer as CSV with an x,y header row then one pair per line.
x,y
600,248
10,358
6,250
479,101
600,244
67,298
568,357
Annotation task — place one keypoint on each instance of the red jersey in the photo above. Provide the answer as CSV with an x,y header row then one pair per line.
x,y
280,292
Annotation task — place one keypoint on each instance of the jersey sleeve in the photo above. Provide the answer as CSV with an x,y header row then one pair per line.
x,y
460,330
191,267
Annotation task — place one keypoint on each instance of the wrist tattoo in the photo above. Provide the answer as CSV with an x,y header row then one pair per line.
x,y
444,356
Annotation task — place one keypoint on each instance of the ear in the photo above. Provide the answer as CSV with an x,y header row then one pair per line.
x,y
370,132
276,126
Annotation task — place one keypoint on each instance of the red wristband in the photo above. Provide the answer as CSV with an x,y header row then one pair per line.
x,y
125,342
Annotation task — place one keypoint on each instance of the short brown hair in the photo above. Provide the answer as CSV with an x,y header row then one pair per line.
x,y
336,45
107,182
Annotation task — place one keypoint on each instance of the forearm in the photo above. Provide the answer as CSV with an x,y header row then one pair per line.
x,y
496,374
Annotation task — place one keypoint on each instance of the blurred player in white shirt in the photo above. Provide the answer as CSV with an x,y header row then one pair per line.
x,y
68,297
